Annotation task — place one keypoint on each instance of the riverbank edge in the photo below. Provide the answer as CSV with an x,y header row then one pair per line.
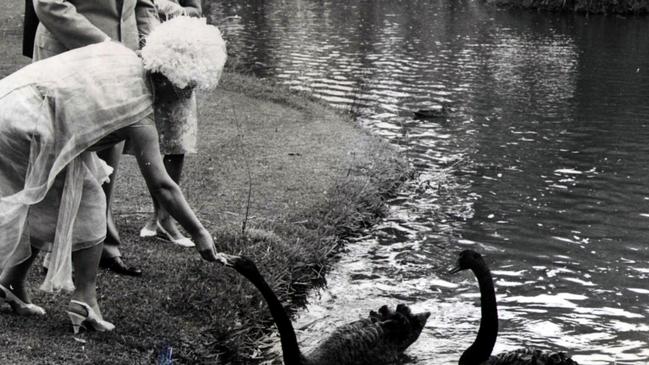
x,y
622,7
296,250
301,175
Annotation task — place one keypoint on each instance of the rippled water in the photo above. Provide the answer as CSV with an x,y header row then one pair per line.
x,y
542,163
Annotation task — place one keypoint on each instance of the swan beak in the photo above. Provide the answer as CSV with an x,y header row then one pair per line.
x,y
455,270
225,259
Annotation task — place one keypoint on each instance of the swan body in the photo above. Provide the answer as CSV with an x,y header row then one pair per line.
x,y
378,339
527,356
479,353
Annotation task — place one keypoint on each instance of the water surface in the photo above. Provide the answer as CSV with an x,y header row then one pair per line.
x,y
542,164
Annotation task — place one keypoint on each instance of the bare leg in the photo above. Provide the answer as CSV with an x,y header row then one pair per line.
x,y
83,309
85,263
111,156
174,166
111,257
112,234
13,277
110,251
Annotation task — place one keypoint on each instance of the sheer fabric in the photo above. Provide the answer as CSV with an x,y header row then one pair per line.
x,y
51,112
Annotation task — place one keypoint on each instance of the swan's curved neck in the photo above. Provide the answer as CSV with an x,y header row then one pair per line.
x,y
484,343
290,347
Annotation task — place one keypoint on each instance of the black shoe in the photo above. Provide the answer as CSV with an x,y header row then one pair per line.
x,y
116,265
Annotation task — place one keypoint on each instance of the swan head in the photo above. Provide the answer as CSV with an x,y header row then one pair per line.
x,y
467,260
242,264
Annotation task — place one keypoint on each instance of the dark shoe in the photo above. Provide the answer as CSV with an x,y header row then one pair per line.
x,y
116,265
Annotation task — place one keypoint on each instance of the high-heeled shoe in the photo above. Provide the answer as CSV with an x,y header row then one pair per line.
x,y
182,241
147,232
18,306
91,321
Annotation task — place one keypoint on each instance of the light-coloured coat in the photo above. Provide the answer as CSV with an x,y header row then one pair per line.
x,y
71,24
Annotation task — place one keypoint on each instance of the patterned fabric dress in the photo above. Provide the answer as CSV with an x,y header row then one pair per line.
x,y
51,113
176,122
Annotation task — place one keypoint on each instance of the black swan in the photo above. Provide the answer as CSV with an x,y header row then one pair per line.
x,y
479,353
379,339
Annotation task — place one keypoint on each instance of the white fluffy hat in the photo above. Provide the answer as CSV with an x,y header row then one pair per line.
x,y
188,51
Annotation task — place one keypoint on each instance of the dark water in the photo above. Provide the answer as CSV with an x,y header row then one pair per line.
x,y
542,164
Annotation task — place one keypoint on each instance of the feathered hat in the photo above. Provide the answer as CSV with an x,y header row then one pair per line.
x,y
188,51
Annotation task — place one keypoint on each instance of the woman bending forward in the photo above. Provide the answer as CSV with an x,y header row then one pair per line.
x,y
53,115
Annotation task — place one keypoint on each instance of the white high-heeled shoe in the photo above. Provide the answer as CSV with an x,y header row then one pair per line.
x,y
18,306
182,241
91,321
147,232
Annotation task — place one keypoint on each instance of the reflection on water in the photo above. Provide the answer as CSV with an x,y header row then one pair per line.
x,y
542,164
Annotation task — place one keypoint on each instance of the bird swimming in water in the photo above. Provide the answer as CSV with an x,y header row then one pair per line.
x,y
379,339
479,353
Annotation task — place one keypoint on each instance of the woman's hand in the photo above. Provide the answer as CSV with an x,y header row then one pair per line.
x,y
205,245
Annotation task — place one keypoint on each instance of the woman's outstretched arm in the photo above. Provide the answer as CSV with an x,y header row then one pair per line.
x,y
144,139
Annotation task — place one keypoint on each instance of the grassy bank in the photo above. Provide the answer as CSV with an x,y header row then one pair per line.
x,y
622,7
300,175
